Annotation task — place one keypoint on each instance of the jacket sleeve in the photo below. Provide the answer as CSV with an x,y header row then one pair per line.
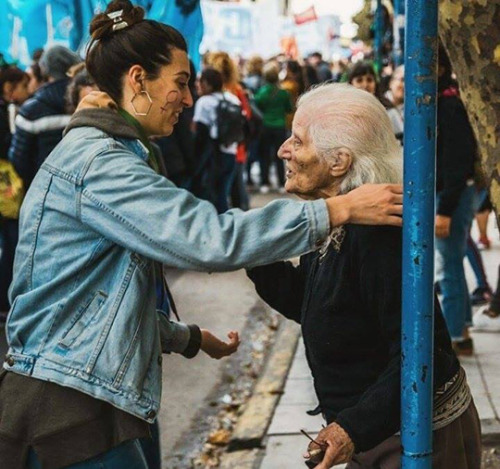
x,y
122,198
458,153
376,416
281,285
22,154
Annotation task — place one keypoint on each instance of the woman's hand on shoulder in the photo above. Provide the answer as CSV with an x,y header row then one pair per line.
x,y
369,204
216,348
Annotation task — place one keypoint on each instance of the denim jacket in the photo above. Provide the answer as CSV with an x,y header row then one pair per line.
x,y
93,223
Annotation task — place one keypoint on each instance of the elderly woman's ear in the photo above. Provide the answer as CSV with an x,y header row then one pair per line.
x,y
340,162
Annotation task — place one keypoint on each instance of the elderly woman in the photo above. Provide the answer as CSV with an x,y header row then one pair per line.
x,y
347,295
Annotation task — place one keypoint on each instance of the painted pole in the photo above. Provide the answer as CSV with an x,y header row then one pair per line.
x,y
418,233
398,32
379,27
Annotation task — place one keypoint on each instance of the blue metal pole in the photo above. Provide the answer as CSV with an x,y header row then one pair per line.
x,y
418,233
379,26
398,32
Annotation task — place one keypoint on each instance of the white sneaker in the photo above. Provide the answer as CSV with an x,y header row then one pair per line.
x,y
264,189
483,322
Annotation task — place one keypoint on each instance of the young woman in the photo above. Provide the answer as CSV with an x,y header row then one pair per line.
x,y
82,377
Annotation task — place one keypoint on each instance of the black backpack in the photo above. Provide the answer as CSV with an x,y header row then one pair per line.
x,y
230,122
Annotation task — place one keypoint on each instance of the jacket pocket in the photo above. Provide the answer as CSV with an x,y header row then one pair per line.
x,y
83,319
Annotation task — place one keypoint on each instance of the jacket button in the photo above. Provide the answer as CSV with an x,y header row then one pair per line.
x,y
160,360
151,414
9,360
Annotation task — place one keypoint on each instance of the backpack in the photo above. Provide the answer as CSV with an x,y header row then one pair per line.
x,y
230,122
11,190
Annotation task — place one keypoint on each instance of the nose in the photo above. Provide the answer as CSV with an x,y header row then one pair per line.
x,y
188,99
284,151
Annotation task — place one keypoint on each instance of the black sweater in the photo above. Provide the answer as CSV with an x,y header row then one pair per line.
x,y
349,307
456,151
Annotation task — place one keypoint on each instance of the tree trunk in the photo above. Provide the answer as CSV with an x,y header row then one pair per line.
x,y
470,31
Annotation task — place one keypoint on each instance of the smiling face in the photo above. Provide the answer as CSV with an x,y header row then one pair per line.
x,y
169,93
307,175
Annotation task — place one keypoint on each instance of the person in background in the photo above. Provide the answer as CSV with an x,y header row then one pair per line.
x,y
487,318
218,160
455,193
42,118
13,92
482,216
275,104
227,68
36,79
253,79
293,82
395,96
81,85
322,68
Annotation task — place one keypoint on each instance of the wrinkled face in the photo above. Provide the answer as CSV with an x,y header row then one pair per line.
x,y
169,94
397,87
365,82
307,174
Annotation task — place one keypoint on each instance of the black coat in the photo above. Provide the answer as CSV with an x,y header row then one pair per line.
x,y
349,308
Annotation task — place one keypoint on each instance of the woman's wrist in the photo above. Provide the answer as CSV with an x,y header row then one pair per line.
x,y
338,210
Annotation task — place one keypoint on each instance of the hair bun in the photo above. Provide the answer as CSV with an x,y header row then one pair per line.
x,y
105,24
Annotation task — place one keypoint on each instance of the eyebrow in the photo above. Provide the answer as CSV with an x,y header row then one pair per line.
x,y
186,74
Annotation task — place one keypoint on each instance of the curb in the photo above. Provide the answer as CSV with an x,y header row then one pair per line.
x,y
244,448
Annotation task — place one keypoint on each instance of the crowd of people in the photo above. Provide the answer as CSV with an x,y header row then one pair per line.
x,y
133,137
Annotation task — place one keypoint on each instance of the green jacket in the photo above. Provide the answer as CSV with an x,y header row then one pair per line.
x,y
275,104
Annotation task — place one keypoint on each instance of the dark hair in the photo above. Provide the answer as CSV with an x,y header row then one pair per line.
x,y
297,73
79,80
213,78
37,72
11,74
113,50
37,53
360,69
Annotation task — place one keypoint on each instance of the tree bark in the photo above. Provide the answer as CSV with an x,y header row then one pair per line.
x,y
470,32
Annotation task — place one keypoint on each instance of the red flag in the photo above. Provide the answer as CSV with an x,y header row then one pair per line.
x,y
306,16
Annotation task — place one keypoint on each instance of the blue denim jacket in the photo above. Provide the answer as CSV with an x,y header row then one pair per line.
x,y
93,223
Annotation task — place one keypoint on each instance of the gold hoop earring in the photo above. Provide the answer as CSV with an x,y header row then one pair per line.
x,y
150,103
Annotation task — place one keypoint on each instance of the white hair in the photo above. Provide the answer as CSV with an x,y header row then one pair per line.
x,y
342,117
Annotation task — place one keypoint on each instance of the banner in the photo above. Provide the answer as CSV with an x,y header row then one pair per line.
x,y
241,28
27,25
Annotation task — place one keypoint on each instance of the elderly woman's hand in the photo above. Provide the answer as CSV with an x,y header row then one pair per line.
x,y
216,348
370,204
339,447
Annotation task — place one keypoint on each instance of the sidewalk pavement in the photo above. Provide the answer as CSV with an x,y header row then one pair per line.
x,y
285,444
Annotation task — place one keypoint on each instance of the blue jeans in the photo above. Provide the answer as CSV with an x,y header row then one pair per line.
x,y
473,253
224,172
128,454
451,276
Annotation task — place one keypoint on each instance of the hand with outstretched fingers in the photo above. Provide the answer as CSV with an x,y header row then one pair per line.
x,y
216,348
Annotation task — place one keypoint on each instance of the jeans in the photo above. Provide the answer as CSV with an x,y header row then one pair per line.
x,y
224,172
239,195
450,253
473,253
127,455
270,142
